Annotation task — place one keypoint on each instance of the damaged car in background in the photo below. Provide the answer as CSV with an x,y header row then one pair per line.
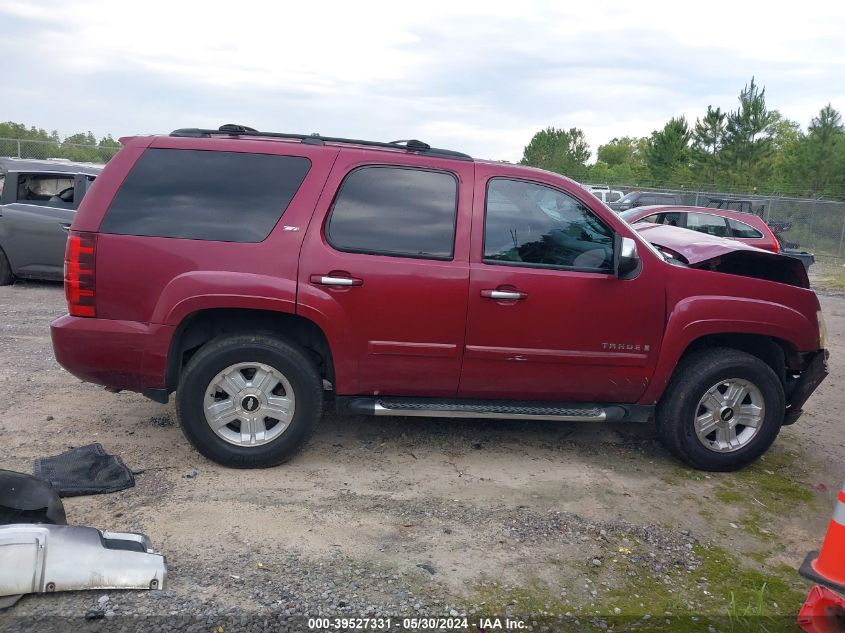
x,y
38,201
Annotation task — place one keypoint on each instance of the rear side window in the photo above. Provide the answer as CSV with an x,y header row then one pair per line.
x,y
740,229
706,223
204,195
396,211
46,190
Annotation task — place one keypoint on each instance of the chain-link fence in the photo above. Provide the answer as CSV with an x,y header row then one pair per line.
x,y
25,148
806,224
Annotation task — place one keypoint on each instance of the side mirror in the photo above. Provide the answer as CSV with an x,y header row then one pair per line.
x,y
626,260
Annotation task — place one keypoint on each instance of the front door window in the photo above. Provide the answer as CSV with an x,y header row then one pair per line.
x,y
530,224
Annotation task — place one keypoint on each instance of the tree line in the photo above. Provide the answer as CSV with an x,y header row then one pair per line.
x,y
82,146
750,149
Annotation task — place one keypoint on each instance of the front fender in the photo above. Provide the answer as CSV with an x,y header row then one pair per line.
x,y
696,317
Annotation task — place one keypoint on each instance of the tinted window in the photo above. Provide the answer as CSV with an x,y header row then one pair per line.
x,y
533,224
740,229
203,195
395,211
706,223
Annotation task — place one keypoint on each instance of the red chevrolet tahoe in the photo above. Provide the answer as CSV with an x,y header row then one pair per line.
x,y
253,272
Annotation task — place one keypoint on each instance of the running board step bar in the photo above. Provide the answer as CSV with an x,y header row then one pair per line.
x,y
506,409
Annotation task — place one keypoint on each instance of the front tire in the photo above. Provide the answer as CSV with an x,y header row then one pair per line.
x,y
722,410
249,400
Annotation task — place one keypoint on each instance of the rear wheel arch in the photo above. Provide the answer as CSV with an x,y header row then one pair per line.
x,y
201,327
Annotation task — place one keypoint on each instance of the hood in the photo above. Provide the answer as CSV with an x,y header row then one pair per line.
x,y
708,252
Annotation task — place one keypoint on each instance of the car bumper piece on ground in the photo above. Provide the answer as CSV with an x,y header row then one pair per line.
x,y
48,558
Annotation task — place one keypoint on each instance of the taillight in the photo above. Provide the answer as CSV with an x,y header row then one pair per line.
x,y
777,247
80,257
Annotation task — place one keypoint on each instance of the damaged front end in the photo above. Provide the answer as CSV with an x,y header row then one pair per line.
x,y
708,252
49,558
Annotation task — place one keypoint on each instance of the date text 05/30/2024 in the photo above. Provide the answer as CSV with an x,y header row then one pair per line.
x,y
416,623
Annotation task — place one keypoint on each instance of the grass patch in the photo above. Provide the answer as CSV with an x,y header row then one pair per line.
x,y
828,276
757,601
720,594
773,485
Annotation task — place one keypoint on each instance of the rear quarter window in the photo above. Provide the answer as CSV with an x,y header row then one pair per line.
x,y
740,229
205,195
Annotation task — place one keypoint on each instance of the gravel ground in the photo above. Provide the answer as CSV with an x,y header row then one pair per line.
x,y
402,517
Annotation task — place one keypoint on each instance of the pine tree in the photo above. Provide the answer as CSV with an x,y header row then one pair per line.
x,y
668,151
707,139
747,141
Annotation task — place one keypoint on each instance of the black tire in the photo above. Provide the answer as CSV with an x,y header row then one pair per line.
x,y
694,376
6,275
287,358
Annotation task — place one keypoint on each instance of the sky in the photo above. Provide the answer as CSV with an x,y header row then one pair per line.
x,y
480,77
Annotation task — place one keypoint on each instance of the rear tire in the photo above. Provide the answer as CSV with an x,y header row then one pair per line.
x,y
267,377
713,391
6,275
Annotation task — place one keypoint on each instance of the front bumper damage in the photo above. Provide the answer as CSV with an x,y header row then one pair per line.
x,y
811,378
48,558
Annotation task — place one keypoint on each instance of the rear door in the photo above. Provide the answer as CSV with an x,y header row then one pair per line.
x,y
37,212
707,223
384,272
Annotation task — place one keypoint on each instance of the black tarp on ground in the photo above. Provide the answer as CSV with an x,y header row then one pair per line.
x,y
86,470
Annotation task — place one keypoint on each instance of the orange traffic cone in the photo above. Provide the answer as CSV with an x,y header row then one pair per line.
x,y
823,612
827,567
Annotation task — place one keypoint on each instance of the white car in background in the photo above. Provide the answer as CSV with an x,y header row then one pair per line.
x,y
604,193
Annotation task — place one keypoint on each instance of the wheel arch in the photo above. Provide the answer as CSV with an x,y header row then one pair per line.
x,y
202,326
778,353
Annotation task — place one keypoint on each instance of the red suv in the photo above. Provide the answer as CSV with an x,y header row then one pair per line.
x,y
253,272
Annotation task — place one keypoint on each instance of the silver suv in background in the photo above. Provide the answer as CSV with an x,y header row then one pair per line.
x,y
38,201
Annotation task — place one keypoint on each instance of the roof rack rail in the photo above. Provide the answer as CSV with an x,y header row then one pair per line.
x,y
235,130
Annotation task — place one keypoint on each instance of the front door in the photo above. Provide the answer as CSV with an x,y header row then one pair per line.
x,y
384,272
547,317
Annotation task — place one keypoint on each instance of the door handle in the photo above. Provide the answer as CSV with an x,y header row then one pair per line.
x,y
504,295
328,280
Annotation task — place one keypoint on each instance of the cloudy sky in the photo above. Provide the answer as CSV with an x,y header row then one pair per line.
x,y
481,77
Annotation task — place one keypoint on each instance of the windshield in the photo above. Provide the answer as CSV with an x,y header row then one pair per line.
x,y
629,197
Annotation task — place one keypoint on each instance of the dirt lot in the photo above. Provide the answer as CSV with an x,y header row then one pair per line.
x,y
574,525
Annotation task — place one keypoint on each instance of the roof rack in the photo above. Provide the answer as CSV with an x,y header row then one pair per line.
x,y
235,131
